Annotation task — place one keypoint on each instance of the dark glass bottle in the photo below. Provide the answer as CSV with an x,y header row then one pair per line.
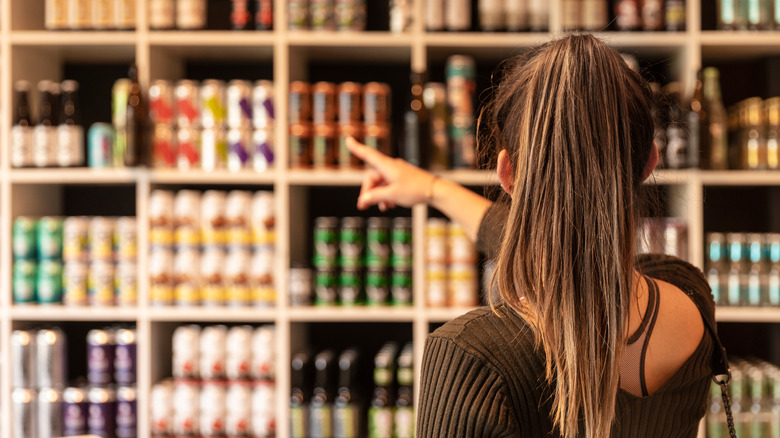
x,y
137,148
45,133
380,411
346,410
417,137
299,397
320,415
21,133
70,133
676,131
404,411
698,126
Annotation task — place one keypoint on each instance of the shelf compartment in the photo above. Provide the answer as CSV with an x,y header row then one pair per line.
x,y
350,39
78,46
351,314
747,314
740,178
721,45
74,176
213,314
333,49
68,313
162,176
212,38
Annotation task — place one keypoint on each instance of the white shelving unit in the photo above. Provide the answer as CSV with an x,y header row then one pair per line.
x,y
27,51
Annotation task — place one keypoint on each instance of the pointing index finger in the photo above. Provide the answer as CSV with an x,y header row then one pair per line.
x,y
371,156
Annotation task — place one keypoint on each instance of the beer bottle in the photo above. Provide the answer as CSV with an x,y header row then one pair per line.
x,y
627,14
417,135
299,382
136,149
320,416
404,411
698,124
715,149
676,155
45,133
346,411
380,412
21,133
70,133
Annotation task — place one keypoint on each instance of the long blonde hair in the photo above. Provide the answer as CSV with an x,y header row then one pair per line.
x,y
577,124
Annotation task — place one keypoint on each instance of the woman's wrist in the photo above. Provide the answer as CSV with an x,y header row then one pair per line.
x,y
429,190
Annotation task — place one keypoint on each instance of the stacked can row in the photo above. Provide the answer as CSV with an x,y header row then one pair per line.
x,y
90,14
211,125
744,269
75,261
357,261
193,14
451,277
663,236
327,398
212,248
494,15
55,138
754,134
343,15
223,383
748,15
44,407
754,389
322,116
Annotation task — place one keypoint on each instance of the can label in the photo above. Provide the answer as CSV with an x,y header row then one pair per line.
x,y
126,414
125,364
238,417
101,420
101,239
124,14
74,413
326,287
351,15
161,14
185,409
56,14
44,146
213,148
75,238
239,146
298,14
345,421
24,417
24,238
191,14
100,141
164,146
404,422
298,427
189,147
100,361
25,274
263,113
238,357
263,353
320,421
263,410
377,287
186,349
49,283
21,146
102,14
212,409
161,408
100,284
212,104
50,238
212,352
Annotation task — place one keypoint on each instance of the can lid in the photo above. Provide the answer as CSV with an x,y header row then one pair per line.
x,y
326,222
352,222
299,87
402,222
376,88
350,87
354,129
378,222
324,87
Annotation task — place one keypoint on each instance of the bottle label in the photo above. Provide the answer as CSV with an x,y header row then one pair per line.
x,y
404,422
320,422
70,145
44,146
380,422
345,421
297,422
21,146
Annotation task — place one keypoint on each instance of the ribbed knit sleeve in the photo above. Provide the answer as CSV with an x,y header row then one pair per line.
x,y
461,395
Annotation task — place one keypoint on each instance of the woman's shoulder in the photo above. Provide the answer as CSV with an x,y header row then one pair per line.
x,y
682,275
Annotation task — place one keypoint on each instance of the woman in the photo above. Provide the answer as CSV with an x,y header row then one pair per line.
x,y
586,339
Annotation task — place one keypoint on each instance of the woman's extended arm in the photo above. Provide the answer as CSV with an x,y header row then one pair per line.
x,y
392,181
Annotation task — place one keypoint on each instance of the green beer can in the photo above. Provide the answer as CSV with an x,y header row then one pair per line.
x,y
377,287
50,238
350,285
326,249
326,287
351,242
24,238
401,243
24,278
49,282
401,287
378,243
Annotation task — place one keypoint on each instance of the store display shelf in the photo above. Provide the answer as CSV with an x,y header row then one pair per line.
x,y
747,314
212,314
68,313
81,175
339,178
349,39
670,177
162,176
485,39
471,177
740,177
351,314
96,38
212,38
730,45
444,314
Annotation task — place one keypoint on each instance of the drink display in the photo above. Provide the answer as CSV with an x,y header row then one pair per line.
x,y
327,15
451,277
222,385
662,236
743,269
212,248
90,15
76,261
493,15
747,15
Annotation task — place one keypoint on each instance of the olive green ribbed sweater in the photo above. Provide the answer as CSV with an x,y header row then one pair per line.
x,y
481,376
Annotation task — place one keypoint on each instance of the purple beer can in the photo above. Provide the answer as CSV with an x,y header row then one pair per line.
x,y
101,417
74,411
125,357
100,357
126,418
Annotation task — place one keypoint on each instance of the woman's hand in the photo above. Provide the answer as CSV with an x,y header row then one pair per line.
x,y
389,181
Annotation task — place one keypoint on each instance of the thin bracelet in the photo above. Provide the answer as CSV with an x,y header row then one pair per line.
x,y
429,190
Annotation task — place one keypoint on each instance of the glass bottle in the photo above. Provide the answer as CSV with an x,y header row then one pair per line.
x,y
299,399
70,133
22,131
45,133
346,409
320,416
417,135
137,148
715,149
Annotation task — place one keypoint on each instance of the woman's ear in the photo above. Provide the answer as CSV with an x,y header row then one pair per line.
x,y
652,161
506,174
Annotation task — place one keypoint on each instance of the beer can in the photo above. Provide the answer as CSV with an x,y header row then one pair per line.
x,y
323,103
239,104
238,219
326,282
321,15
212,409
461,89
212,103
350,110
434,15
212,352
435,99
101,415
263,353
377,287
350,286
48,285
24,281
161,210
516,15
263,151
376,103
124,14
301,146
351,242
126,412
238,359
212,267
188,145
186,277
238,417
324,142
378,243
191,14
263,218
79,15
23,359
237,292
263,409
125,368
50,358
161,277
101,283
74,283
101,346
101,238
74,411
326,241
755,248
298,14
401,243
300,103
772,247
186,218
126,238
462,285
185,106
161,404
240,15
401,287
185,408
164,147
161,98
351,15
264,15
24,237
24,409
378,137
162,14
56,14
347,160
49,413
75,237
49,237
186,352
300,287
100,145
436,285
263,114
213,149
240,147
457,16
400,15
212,217
460,249
491,15
261,278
